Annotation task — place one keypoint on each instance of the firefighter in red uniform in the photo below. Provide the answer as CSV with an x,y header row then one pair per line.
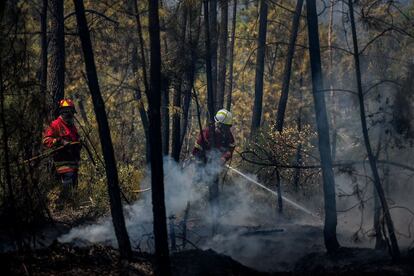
x,y
223,138
62,135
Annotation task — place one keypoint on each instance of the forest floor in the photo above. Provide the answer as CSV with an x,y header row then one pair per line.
x,y
235,251
66,259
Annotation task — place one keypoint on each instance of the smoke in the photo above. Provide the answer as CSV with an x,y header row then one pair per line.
x,y
182,186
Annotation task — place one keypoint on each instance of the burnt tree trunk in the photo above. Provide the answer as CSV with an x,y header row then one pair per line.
x,y
104,134
334,134
261,48
331,242
394,250
57,52
176,124
138,98
213,47
177,108
141,46
231,57
43,54
10,203
221,78
210,91
157,170
165,115
189,75
288,67
134,61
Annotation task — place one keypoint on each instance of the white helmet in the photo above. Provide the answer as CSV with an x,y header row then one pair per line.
x,y
224,116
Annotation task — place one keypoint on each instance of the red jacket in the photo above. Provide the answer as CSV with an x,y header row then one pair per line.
x,y
66,159
224,143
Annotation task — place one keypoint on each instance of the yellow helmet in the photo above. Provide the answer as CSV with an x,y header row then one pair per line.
x,y
224,116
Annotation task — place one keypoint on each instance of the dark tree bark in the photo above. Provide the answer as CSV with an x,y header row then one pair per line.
x,y
57,51
331,80
176,112
221,78
104,134
331,242
138,98
213,47
43,46
298,157
394,250
10,201
261,48
157,171
231,54
176,124
165,115
190,75
210,92
288,66
141,46
135,69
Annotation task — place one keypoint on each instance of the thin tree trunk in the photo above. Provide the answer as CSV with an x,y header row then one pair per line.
x,y
210,92
330,78
138,98
104,134
141,46
190,74
43,45
279,193
331,242
231,61
213,48
380,242
394,250
165,115
221,85
176,121
176,124
298,157
57,52
288,67
261,48
157,170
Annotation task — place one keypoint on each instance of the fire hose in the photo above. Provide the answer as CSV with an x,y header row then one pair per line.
x,y
289,201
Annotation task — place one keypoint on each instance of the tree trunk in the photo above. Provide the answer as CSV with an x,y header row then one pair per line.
x,y
138,98
157,170
141,46
43,46
288,67
104,134
231,61
177,109
189,77
330,238
10,203
261,48
176,124
210,92
57,52
394,250
165,115
331,79
279,193
221,85
213,48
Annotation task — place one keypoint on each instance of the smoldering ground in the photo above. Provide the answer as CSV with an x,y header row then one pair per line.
x,y
247,228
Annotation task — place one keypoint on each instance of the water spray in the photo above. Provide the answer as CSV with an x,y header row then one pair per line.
x,y
291,202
